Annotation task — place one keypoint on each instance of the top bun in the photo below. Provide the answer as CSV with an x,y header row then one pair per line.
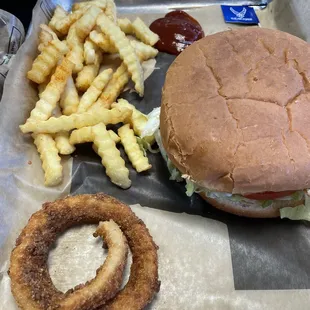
x,y
235,111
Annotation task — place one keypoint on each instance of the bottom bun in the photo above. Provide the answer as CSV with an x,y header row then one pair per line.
x,y
255,211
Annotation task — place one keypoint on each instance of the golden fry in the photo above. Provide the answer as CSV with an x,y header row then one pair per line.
x,y
90,49
59,14
67,123
111,157
51,165
109,95
82,135
99,104
116,86
81,5
110,10
78,33
126,51
88,73
62,143
69,100
143,32
132,149
125,25
85,134
87,22
95,89
86,76
51,95
46,61
102,41
63,25
76,47
46,35
144,51
114,136
137,120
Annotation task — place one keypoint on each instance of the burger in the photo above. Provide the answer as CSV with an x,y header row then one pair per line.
x,y
235,122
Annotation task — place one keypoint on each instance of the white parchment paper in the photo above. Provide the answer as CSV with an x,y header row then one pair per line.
x,y
195,264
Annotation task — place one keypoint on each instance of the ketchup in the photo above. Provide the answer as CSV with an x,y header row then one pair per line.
x,y
176,31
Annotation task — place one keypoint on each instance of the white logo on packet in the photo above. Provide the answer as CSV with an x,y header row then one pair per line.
x,y
239,14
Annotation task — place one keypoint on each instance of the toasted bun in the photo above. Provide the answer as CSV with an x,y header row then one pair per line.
x,y
251,210
235,112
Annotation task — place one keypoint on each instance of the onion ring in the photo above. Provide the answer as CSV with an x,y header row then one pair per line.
x,y
108,278
31,284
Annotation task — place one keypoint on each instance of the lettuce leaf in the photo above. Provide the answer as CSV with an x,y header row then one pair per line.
x,y
145,146
190,188
175,174
152,124
301,212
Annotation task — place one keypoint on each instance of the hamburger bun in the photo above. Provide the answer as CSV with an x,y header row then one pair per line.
x,y
235,114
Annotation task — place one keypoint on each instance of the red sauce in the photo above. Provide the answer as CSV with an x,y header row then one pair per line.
x,y
176,31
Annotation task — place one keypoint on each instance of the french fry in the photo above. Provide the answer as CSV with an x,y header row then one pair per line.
x,y
69,100
62,143
76,47
143,32
63,25
78,33
62,138
121,77
81,5
102,41
110,10
137,120
59,14
114,136
46,35
90,49
132,149
67,123
51,95
126,51
87,22
109,95
86,76
45,143
99,104
85,134
46,61
95,89
82,135
125,25
110,157
114,89
144,51
51,165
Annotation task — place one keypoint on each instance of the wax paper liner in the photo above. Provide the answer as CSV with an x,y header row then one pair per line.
x,y
207,259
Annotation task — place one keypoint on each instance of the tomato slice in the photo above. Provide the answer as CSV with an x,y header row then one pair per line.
x,y
269,195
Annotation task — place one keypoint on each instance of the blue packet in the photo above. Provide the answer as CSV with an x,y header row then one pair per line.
x,y
239,14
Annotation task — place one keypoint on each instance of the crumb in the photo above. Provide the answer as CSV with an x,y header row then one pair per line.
x,y
29,162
